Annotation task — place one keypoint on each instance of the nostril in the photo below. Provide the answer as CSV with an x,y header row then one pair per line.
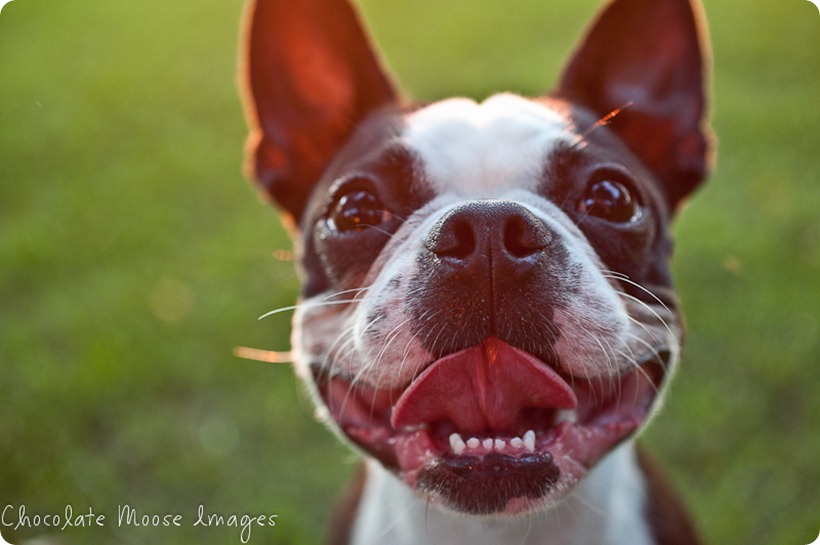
x,y
457,240
525,236
476,231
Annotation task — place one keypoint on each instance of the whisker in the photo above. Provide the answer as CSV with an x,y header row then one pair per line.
x,y
614,275
657,316
308,304
361,375
357,291
603,122
283,255
337,349
390,337
265,356
655,351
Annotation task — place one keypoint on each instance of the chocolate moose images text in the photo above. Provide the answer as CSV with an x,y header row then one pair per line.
x,y
18,517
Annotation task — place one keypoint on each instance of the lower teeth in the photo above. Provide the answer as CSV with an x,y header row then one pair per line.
x,y
459,446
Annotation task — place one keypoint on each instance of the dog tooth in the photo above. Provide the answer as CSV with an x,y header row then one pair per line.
x,y
500,444
457,443
516,442
566,415
473,443
487,444
529,440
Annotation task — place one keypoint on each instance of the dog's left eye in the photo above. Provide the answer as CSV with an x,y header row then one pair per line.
x,y
356,209
610,198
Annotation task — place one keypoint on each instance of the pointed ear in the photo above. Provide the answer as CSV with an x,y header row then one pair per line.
x,y
648,57
310,76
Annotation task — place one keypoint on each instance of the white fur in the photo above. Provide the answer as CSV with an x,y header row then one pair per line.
x,y
605,509
481,150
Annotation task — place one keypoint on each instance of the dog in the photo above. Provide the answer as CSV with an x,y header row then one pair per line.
x,y
487,313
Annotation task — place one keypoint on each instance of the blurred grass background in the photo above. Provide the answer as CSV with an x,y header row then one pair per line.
x,y
134,257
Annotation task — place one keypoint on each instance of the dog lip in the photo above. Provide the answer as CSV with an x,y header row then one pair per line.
x,y
483,387
465,480
607,410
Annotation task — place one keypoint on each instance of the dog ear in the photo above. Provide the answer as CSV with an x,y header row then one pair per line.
x,y
310,75
647,57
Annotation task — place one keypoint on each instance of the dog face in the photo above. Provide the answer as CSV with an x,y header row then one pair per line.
x,y
487,308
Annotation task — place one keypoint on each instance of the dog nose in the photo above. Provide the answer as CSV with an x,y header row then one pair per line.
x,y
495,233
487,269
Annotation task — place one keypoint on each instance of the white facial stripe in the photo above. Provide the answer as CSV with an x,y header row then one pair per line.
x,y
483,150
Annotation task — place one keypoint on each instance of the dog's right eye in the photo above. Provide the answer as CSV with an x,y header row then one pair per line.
x,y
357,209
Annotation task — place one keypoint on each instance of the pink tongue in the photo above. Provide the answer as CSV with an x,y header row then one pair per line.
x,y
482,388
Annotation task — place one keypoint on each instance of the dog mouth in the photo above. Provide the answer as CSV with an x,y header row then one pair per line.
x,y
493,429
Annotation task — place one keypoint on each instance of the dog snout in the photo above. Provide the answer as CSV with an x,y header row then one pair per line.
x,y
488,268
498,234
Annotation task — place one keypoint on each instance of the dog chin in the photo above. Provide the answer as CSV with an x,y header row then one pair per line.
x,y
492,429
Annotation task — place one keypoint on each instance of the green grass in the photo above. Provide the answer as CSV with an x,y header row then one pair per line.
x,y
134,257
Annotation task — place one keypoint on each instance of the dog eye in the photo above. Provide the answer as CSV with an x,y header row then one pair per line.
x,y
610,198
356,209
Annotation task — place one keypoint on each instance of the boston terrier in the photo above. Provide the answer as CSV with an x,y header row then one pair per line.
x,y
487,312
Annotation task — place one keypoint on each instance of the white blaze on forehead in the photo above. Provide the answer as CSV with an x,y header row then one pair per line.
x,y
485,149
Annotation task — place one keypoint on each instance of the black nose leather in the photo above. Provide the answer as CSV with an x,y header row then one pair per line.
x,y
489,269
497,234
